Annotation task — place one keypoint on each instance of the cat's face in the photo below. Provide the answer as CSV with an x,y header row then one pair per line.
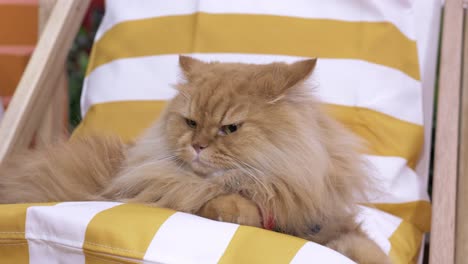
x,y
225,111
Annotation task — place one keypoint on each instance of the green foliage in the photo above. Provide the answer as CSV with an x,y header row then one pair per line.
x,y
78,62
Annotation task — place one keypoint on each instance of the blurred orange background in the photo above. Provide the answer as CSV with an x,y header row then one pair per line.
x,y
18,36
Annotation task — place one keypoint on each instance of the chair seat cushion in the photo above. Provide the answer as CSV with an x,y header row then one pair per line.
x,y
107,232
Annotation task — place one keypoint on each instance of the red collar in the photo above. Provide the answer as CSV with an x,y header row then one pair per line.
x,y
269,222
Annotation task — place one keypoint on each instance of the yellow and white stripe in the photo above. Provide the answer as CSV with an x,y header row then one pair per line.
x,y
58,232
368,78
345,11
360,83
255,34
101,232
180,242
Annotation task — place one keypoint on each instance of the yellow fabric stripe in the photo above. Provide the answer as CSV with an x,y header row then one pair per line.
x,y
417,213
13,220
406,242
14,251
99,258
387,136
125,230
253,245
128,119
13,244
377,42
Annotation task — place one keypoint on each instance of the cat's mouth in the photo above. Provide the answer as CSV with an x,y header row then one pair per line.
x,y
197,160
207,170
203,168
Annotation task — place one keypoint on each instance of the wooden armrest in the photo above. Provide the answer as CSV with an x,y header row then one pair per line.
x,y
37,85
442,246
462,194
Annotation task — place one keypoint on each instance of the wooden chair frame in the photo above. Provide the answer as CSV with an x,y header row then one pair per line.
x,y
449,233
41,77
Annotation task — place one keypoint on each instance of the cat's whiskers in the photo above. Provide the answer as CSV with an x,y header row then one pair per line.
x,y
179,163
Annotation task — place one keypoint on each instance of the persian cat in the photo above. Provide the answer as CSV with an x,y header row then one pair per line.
x,y
239,143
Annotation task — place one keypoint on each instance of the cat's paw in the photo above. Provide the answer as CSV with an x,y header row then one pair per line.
x,y
359,248
232,208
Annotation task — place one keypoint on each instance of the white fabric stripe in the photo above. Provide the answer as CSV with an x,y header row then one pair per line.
x,y
378,225
316,253
427,20
360,83
397,182
56,234
185,238
395,12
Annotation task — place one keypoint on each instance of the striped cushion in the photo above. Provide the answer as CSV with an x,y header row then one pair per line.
x,y
368,78
108,232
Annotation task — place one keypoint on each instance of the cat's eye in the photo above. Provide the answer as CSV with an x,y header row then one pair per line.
x,y
228,129
191,123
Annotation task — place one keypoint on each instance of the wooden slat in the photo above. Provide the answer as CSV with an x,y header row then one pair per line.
x,y
462,194
442,246
45,9
53,126
37,84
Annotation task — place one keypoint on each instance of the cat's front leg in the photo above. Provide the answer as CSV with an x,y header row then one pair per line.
x,y
232,208
358,247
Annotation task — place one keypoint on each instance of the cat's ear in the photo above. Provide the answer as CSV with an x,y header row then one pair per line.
x,y
284,79
298,72
188,64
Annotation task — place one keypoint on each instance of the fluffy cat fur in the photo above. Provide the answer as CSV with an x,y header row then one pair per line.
x,y
240,143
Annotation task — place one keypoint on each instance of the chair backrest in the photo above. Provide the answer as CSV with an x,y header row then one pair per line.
x,y
17,127
129,88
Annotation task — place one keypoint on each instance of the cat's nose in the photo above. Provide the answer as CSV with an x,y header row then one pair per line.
x,y
199,147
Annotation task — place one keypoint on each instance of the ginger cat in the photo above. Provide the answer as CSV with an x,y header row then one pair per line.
x,y
240,143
